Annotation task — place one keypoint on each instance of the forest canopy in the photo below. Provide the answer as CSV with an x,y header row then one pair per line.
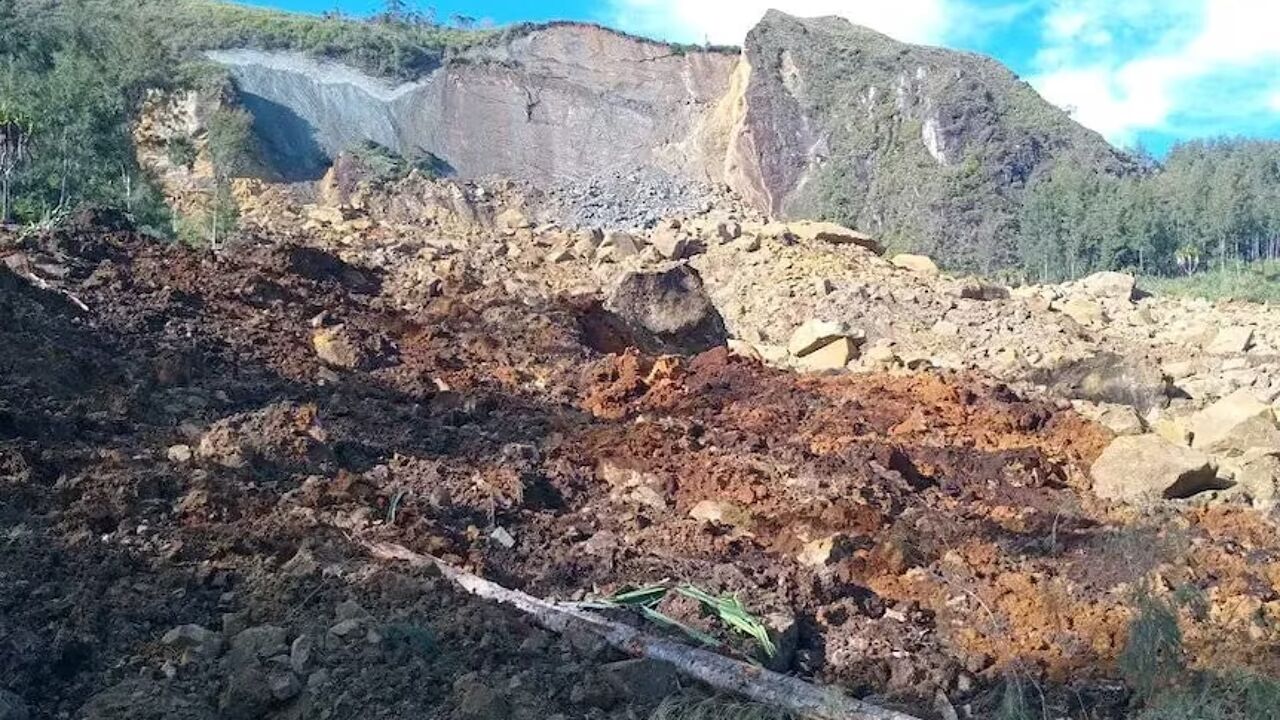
x,y
1209,204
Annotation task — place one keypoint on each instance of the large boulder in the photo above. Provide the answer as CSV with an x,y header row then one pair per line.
x,y
1234,424
670,244
832,356
1110,378
1143,468
813,335
668,311
1231,340
146,699
1114,285
618,245
919,264
834,234
1084,311
1257,477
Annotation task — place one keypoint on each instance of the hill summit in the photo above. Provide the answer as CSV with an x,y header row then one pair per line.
x,y
928,148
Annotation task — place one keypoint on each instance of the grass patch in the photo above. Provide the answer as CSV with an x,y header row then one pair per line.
x,y
1153,663
387,166
713,708
1233,697
1254,282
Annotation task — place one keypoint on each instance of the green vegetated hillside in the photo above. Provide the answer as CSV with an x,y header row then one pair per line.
x,y
932,149
949,153
399,43
77,71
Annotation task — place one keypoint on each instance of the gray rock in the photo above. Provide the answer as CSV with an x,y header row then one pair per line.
x,y
641,680
194,638
248,694
351,610
284,685
257,643
667,311
300,653
478,701
144,699
1110,378
179,454
12,707
1235,424
1144,468
347,628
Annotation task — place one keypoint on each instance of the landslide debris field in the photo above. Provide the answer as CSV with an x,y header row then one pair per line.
x,y
194,452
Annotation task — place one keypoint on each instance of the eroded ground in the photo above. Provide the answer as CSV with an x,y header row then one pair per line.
x,y
180,454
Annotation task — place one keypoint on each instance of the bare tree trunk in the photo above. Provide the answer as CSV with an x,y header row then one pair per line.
x,y
4,199
793,695
213,235
66,172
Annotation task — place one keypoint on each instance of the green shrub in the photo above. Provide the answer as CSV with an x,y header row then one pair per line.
x,y
386,165
405,47
1152,656
181,151
1232,697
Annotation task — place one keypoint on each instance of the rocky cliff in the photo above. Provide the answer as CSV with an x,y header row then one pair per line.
x,y
558,102
928,148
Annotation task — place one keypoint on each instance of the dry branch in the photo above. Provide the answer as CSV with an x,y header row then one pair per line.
x,y
722,673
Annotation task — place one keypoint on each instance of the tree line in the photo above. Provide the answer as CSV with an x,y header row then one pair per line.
x,y
1210,204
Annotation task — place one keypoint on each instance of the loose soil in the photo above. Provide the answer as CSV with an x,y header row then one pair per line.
x,y
930,534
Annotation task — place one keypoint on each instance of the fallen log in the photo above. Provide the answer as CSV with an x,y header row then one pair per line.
x,y
792,695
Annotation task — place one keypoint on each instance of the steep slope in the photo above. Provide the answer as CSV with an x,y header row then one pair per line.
x,y
563,101
927,147
930,149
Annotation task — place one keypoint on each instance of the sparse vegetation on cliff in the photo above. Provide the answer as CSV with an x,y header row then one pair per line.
x,y
402,45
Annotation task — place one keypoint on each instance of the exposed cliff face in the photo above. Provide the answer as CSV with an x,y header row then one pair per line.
x,y
928,148
565,101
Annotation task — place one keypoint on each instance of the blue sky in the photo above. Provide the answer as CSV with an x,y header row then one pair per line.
x,y
1138,71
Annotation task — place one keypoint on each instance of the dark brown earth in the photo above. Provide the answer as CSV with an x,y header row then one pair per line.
x,y
964,548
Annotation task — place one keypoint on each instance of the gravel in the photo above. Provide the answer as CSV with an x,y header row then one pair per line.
x,y
633,199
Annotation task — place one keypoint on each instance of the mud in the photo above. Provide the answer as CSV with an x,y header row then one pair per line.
x,y
928,533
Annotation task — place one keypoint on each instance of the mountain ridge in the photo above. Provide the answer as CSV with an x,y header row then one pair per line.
x,y
928,147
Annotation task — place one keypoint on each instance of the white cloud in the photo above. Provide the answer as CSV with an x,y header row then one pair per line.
x,y
1142,81
1274,101
727,22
